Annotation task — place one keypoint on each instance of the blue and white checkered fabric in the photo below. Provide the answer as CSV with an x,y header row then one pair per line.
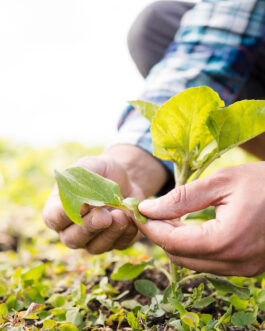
x,y
214,46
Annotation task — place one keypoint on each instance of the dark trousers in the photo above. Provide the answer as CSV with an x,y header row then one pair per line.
x,y
153,31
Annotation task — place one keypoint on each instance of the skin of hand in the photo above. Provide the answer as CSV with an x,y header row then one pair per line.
x,y
104,229
231,244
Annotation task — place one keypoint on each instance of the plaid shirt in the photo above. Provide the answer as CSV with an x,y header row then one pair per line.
x,y
214,46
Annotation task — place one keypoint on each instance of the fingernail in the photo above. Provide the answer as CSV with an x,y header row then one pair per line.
x,y
146,205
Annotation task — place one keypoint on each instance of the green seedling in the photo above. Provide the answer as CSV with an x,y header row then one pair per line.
x,y
192,129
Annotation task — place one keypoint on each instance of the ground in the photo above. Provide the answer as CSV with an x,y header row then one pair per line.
x,y
44,285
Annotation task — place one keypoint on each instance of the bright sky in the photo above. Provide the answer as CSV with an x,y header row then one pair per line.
x,y
65,72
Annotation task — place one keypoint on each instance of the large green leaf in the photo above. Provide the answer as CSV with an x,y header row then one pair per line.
x,y
179,129
234,125
78,186
147,109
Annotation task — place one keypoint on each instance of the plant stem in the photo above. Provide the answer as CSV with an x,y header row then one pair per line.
x,y
180,179
200,171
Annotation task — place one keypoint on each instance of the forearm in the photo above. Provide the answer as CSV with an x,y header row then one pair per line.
x,y
142,168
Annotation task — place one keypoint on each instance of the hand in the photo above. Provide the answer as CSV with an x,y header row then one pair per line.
x,y
103,228
231,244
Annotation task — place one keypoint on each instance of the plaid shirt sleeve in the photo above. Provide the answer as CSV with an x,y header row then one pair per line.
x,y
214,46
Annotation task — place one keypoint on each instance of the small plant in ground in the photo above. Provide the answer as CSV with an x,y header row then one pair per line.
x,y
192,130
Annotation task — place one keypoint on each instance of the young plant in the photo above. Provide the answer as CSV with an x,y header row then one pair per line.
x,y
192,129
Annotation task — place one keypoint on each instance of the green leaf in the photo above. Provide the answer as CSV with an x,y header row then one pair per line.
x,y
204,302
133,321
73,315
146,287
262,306
34,274
147,109
130,304
222,284
68,327
179,129
191,319
128,271
3,288
234,125
57,300
78,186
242,319
132,204
205,214
3,311
260,296
49,324
238,303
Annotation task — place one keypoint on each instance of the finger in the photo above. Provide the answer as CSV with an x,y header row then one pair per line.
x,y
54,215
96,221
213,267
184,199
205,241
128,238
106,240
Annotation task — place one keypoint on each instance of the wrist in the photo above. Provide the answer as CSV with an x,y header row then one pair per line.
x,y
142,168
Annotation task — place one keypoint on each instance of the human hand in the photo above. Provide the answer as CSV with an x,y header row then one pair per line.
x,y
103,229
231,244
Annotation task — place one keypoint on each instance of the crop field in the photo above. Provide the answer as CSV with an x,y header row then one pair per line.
x,y
46,286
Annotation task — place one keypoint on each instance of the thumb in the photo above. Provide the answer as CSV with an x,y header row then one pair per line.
x,y
184,199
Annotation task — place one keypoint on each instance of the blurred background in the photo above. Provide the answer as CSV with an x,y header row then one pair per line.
x,y
66,73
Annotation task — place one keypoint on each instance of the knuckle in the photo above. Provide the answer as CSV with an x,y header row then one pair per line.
x,y
179,194
67,241
96,250
220,176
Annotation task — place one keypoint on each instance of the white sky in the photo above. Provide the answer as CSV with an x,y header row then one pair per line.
x,y
65,72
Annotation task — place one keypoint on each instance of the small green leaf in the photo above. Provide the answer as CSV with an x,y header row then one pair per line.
x,y
130,304
132,204
178,306
3,311
128,271
133,321
205,214
68,327
262,306
191,319
238,303
78,186
242,319
34,308
204,302
146,287
57,300
222,284
260,296
3,288
73,315
49,324
34,274
147,109
236,124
